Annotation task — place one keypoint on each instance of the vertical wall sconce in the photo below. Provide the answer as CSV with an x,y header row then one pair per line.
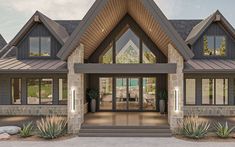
x,y
176,99
73,100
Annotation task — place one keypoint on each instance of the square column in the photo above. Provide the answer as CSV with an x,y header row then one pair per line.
x,y
175,89
75,92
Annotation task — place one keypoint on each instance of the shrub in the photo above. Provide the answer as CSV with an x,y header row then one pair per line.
x,y
26,130
192,127
51,127
223,131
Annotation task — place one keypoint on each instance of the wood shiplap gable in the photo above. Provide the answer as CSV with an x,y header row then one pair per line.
x,y
38,30
215,29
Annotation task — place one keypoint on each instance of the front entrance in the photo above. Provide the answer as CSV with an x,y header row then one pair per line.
x,y
128,94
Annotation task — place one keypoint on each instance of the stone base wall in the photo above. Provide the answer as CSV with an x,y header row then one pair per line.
x,y
86,108
33,110
209,110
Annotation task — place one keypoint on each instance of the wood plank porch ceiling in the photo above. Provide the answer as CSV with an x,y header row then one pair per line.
x,y
110,16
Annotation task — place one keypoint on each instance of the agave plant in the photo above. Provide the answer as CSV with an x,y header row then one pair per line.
x,y
192,127
26,130
223,131
51,127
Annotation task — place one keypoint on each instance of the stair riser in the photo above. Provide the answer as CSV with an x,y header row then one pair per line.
x,y
125,127
124,131
123,135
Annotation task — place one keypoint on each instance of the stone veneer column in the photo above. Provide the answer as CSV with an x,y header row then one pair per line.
x,y
175,81
75,82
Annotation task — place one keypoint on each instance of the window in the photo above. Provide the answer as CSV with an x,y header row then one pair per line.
x,y
214,46
190,94
63,91
39,91
149,93
215,91
16,91
107,57
148,56
40,46
46,91
106,93
128,48
221,91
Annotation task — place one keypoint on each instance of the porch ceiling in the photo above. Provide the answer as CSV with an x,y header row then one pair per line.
x,y
110,16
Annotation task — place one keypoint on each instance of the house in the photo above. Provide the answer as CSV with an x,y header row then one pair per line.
x,y
130,52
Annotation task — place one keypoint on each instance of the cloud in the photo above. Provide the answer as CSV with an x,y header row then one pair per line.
x,y
55,9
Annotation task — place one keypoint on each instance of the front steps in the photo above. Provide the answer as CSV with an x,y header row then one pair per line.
x,y
125,131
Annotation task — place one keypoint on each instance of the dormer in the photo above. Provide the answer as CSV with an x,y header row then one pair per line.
x,y
213,38
41,37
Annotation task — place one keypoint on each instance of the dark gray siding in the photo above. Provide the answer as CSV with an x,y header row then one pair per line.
x,y
35,31
215,29
5,86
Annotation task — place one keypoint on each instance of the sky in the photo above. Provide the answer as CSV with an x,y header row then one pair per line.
x,y
15,13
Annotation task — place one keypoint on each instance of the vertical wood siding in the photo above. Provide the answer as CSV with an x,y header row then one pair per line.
x,y
215,29
38,30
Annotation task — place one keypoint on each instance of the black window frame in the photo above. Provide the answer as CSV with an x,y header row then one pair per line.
x,y
40,55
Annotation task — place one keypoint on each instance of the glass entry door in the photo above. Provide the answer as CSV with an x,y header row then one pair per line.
x,y
127,94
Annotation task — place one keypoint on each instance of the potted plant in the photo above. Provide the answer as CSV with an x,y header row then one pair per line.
x,y
162,102
93,94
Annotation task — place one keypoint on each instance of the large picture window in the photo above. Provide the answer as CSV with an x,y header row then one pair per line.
x,y
214,45
215,91
39,46
39,91
190,94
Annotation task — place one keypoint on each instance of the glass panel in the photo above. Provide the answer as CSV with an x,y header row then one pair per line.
x,y
190,91
127,48
46,91
208,45
33,91
149,93
121,93
208,91
106,93
221,91
16,91
148,56
34,46
45,46
133,94
220,46
63,91
107,57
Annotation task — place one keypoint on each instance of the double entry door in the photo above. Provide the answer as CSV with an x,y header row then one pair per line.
x,y
127,94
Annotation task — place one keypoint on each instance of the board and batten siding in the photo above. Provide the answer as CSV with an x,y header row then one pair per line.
x,y
38,30
219,30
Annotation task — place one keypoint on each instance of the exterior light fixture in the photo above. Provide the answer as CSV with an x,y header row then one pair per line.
x,y
176,99
73,100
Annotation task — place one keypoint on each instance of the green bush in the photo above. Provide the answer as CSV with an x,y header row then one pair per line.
x,y
223,131
51,127
26,130
192,127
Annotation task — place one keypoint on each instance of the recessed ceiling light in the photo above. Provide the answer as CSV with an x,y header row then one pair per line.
x,y
102,30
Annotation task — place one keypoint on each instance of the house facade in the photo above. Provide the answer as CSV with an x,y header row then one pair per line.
x,y
127,50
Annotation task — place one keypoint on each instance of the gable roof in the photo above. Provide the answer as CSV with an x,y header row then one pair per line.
x,y
198,30
153,9
69,25
57,30
2,42
184,27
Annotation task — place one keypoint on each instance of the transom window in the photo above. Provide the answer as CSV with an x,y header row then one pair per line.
x,y
128,48
39,46
214,45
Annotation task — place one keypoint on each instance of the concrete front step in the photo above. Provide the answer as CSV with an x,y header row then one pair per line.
x,y
125,131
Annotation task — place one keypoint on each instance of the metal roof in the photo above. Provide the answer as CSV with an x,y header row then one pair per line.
x,y
2,42
209,66
12,65
69,25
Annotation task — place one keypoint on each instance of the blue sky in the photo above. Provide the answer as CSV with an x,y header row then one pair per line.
x,y
15,13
